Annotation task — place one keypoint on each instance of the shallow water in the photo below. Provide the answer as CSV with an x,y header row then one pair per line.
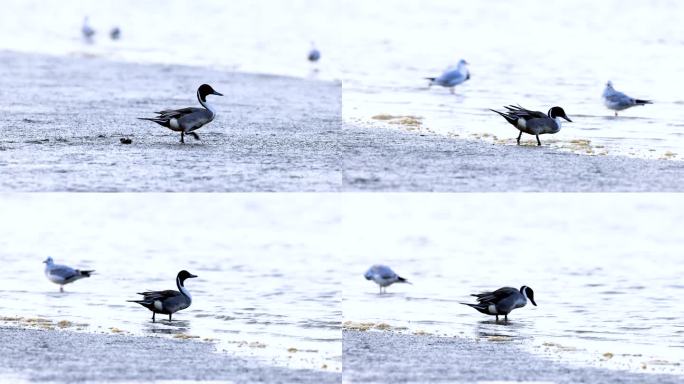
x,y
606,271
264,288
531,52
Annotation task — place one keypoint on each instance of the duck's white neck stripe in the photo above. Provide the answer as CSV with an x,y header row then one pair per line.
x,y
182,288
206,104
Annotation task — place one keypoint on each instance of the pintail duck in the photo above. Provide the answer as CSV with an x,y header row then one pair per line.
x,y
383,276
187,120
618,101
452,76
167,302
62,274
534,122
502,301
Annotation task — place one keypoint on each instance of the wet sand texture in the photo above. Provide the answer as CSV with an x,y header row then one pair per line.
x,y
64,118
68,357
383,160
386,357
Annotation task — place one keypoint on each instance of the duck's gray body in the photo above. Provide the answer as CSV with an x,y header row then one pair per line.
x,y
62,274
502,301
383,276
170,301
187,120
452,76
618,101
534,122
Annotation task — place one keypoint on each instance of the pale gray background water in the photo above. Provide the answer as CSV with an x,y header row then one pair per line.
x,y
606,270
533,52
267,273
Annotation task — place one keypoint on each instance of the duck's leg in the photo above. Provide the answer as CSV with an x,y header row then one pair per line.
x,y
505,318
538,142
196,136
497,318
169,317
153,316
519,136
182,137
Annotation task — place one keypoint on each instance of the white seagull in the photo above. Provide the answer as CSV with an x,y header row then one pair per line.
x,y
383,276
62,274
618,101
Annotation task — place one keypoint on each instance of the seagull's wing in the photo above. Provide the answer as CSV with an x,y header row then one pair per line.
x,y
452,75
618,98
63,272
385,272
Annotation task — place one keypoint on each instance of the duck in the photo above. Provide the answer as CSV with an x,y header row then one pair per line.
x,y
383,276
170,301
452,76
618,101
62,274
187,120
534,122
502,301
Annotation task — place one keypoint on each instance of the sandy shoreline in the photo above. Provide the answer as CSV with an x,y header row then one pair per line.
x,y
388,357
66,356
394,160
64,117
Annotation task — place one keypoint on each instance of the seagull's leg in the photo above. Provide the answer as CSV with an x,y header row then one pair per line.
x,y
519,136
182,139
615,113
451,89
61,288
538,142
153,316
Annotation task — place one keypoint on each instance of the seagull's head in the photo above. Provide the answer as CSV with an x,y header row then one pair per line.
x,y
48,261
462,62
609,84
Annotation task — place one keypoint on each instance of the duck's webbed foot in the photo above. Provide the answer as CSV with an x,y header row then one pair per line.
x,y
182,138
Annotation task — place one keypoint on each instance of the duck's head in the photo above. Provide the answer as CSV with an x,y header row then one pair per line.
x,y
48,261
205,90
183,275
528,293
558,112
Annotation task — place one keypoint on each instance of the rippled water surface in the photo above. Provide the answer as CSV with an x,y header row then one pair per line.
x,y
532,52
607,271
266,285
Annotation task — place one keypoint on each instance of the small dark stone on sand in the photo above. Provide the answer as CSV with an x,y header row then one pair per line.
x,y
125,140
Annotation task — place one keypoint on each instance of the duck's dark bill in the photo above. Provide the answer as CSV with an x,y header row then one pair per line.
x,y
218,94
